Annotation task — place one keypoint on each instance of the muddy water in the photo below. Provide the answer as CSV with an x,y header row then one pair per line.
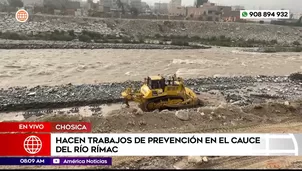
x,y
12,116
53,66
85,111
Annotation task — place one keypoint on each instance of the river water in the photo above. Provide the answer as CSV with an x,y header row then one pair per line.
x,y
53,66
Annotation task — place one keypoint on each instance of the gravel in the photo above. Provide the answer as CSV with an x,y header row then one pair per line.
x,y
236,90
296,76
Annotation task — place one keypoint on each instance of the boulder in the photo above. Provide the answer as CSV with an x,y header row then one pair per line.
x,y
182,115
195,159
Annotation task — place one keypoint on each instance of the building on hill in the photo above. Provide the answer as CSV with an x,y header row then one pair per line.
x,y
231,16
161,8
174,4
199,3
62,4
66,7
178,11
237,8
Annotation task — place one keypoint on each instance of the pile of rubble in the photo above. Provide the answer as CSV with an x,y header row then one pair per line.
x,y
39,44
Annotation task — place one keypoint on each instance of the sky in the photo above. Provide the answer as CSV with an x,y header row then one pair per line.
x,y
292,5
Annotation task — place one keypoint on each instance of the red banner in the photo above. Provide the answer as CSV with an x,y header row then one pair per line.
x,y
25,145
70,127
76,127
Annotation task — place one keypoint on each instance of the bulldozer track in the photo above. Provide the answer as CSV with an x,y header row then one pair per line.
x,y
160,99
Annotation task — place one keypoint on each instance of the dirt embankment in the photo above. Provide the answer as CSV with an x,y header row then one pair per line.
x,y
39,25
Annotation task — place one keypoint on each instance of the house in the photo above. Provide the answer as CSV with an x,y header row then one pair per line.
x,y
178,11
231,16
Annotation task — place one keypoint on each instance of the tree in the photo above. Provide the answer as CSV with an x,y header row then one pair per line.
x,y
15,3
134,11
120,6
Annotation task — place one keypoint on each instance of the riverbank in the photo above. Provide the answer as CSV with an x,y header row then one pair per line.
x,y
237,90
100,30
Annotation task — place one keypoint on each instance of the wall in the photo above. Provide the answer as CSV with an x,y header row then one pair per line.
x,y
178,11
70,12
200,2
196,12
231,16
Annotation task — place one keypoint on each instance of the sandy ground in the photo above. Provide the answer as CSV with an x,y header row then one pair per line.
x,y
52,66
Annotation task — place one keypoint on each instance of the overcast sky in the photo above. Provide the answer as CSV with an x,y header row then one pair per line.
x,y
292,5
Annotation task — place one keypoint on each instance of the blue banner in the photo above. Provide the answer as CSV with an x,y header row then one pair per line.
x,y
56,161
25,161
105,161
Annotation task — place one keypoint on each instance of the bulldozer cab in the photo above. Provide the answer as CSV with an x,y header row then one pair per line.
x,y
156,82
159,82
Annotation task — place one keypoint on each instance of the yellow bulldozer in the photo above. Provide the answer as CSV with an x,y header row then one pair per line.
x,y
159,93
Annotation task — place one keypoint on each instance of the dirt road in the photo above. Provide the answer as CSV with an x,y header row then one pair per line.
x,y
54,67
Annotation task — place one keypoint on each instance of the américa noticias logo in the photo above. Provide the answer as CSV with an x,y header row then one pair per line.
x,y
22,15
32,144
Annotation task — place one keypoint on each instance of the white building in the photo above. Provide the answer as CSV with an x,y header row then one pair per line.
x,y
174,4
237,8
161,8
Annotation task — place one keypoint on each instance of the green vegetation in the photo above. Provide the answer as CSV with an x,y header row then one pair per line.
x,y
85,38
281,49
12,36
59,36
125,40
214,41
296,43
178,40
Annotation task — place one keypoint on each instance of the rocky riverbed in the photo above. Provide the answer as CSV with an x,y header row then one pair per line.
x,y
237,90
40,44
121,27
